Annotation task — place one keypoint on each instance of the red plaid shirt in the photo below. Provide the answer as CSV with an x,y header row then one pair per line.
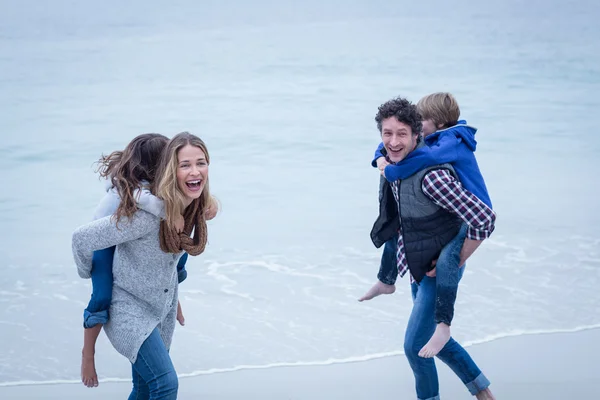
x,y
447,192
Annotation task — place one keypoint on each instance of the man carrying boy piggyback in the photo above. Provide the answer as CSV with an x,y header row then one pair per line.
x,y
434,213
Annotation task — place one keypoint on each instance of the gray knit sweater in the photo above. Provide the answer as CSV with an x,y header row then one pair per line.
x,y
145,278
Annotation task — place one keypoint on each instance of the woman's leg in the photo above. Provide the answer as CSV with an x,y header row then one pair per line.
x,y
155,368
140,389
96,313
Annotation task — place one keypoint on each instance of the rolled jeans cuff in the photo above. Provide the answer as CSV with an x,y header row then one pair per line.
x,y
92,319
478,384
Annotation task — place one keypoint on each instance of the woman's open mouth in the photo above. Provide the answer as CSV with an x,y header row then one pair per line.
x,y
194,186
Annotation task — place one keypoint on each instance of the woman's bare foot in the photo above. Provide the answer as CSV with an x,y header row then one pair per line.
x,y
88,370
377,289
437,342
485,394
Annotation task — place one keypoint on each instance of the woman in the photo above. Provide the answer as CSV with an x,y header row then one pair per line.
x,y
129,173
144,303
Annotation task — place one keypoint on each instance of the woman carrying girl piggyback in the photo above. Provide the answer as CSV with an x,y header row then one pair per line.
x,y
144,301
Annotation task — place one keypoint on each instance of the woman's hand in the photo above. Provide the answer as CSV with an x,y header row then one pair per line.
x,y
212,209
180,317
179,223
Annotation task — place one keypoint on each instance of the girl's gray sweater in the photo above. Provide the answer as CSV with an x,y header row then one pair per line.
x,y
145,278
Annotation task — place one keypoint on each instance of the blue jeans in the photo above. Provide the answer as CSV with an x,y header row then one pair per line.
x,y
388,268
153,373
102,282
419,330
448,275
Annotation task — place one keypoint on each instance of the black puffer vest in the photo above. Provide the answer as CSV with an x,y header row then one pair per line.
x,y
426,227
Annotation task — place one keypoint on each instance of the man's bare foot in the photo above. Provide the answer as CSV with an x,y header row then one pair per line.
x,y
437,342
88,371
485,394
377,289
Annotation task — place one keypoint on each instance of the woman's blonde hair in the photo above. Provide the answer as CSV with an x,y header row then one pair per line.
x,y
442,108
166,186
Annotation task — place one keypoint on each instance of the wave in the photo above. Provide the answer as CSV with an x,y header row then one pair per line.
x,y
329,361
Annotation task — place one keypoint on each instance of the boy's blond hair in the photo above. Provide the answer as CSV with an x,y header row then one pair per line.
x,y
442,108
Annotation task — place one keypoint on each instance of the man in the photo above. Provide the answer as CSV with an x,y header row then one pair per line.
x,y
425,213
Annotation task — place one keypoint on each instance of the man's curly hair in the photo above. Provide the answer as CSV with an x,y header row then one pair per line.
x,y
403,110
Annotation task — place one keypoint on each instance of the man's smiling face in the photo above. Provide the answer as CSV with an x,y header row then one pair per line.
x,y
398,139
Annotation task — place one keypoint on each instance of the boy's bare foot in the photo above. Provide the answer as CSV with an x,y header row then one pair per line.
x,y
485,394
437,342
88,371
377,289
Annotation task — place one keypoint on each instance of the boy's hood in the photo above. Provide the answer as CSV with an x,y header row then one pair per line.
x,y
462,131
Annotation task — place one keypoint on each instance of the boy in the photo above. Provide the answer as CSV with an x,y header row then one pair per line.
x,y
447,140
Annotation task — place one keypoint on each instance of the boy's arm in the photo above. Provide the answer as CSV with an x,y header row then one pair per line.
x,y
444,150
447,192
378,154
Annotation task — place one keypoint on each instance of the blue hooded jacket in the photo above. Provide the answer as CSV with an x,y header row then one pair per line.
x,y
455,145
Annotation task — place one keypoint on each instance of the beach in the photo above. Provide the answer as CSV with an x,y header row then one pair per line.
x,y
284,95
554,366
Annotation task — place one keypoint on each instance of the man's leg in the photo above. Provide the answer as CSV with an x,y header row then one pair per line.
x,y
459,360
447,277
388,271
155,368
419,329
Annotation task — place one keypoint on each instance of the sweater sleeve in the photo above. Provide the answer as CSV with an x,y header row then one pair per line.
x,y
103,233
444,150
378,154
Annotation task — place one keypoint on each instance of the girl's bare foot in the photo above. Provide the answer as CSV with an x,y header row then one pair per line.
x,y
485,394
88,370
377,289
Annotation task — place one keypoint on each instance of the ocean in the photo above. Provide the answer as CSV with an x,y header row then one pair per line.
x,y
284,94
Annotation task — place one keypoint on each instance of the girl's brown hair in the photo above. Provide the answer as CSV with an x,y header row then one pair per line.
x,y
129,169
